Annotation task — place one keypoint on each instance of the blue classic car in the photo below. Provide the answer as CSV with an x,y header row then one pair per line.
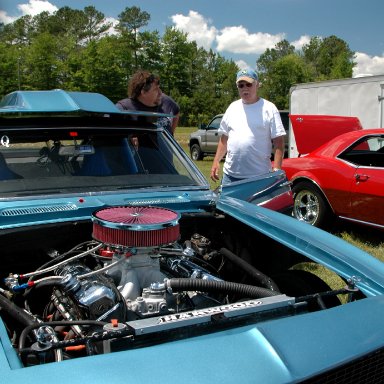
x,y
120,265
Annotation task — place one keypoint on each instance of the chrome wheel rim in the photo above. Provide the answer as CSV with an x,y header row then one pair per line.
x,y
195,154
306,207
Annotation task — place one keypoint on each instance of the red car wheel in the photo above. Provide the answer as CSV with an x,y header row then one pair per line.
x,y
310,206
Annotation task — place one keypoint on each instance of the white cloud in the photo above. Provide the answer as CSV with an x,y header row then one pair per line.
x,y
4,18
242,64
235,39
239,40
368,65
112,29
303,40
33,8
197,27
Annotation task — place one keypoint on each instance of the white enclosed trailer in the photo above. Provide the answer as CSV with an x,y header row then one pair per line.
x,y
361,97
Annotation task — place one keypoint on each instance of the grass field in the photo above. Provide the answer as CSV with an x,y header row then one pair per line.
x,y
182,137
370,240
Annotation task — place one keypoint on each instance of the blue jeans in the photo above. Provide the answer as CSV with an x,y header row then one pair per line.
x,y
229,179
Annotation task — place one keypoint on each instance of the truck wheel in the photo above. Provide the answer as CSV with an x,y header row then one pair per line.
x,y
196,153
310,206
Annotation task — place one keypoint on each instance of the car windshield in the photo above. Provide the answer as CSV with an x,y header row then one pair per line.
x,y
74,159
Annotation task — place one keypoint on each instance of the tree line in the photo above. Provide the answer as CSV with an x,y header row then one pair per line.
x,y
72,50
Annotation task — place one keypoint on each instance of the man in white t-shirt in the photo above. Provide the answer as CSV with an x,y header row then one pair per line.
x,y
249,128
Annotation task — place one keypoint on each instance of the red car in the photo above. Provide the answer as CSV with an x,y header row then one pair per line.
x,y
339,172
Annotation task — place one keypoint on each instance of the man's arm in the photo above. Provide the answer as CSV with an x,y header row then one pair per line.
x,y
220,153
278,145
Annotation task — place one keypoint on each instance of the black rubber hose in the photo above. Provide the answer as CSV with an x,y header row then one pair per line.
x,y
250,269
248,291
19,314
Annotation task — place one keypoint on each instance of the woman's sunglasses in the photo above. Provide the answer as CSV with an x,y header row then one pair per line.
x,y
148,82
242,85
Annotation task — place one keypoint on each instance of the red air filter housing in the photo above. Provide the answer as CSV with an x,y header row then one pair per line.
x,y
136,226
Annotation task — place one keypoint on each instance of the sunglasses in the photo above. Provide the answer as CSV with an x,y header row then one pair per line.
x,y
148,82
242,85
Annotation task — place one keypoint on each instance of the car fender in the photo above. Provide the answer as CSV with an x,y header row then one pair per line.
x,y
273,191
310,178
305,176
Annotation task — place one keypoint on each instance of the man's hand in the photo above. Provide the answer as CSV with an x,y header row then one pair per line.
x,y
220,152
135,142
215,173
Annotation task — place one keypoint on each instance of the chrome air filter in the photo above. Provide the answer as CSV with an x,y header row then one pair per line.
x,y
136,226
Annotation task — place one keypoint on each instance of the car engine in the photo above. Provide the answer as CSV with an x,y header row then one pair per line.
x,y
135,267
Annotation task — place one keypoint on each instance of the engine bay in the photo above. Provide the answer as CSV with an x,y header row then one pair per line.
x,y
138,275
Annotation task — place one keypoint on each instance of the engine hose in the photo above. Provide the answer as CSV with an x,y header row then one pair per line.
x,y
250,270
19,314
41,284
31,327
201,285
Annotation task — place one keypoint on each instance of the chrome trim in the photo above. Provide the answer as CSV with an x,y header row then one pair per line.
x,y
38,210
362,222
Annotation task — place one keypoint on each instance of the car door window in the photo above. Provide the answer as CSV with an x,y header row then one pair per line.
x,y
215,123
368,152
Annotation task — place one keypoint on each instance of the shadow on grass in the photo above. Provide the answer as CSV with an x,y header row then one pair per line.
x,y
370,240
363,233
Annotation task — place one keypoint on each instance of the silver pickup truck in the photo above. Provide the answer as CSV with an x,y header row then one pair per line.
x,y
204,141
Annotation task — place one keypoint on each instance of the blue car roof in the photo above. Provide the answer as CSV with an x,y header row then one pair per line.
x,y
60,101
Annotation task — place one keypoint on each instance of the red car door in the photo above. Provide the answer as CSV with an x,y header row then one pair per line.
x,y
367,198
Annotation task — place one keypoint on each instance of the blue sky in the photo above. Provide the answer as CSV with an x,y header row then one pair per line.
x,y
242,29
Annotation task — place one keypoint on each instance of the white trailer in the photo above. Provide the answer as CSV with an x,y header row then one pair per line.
x,y
361,97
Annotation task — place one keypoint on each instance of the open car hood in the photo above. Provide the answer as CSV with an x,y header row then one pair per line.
x,y
312,131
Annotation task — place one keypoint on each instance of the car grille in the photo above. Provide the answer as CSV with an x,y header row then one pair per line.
x,y
366,370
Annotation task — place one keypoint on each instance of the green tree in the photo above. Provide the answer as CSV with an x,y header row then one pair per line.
x,y
267,59
101,69
321,59
286,71
71,49
42,63
10,68
67,22
95,24
19,32
149,55
330,58
175,52
130,21
212,86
